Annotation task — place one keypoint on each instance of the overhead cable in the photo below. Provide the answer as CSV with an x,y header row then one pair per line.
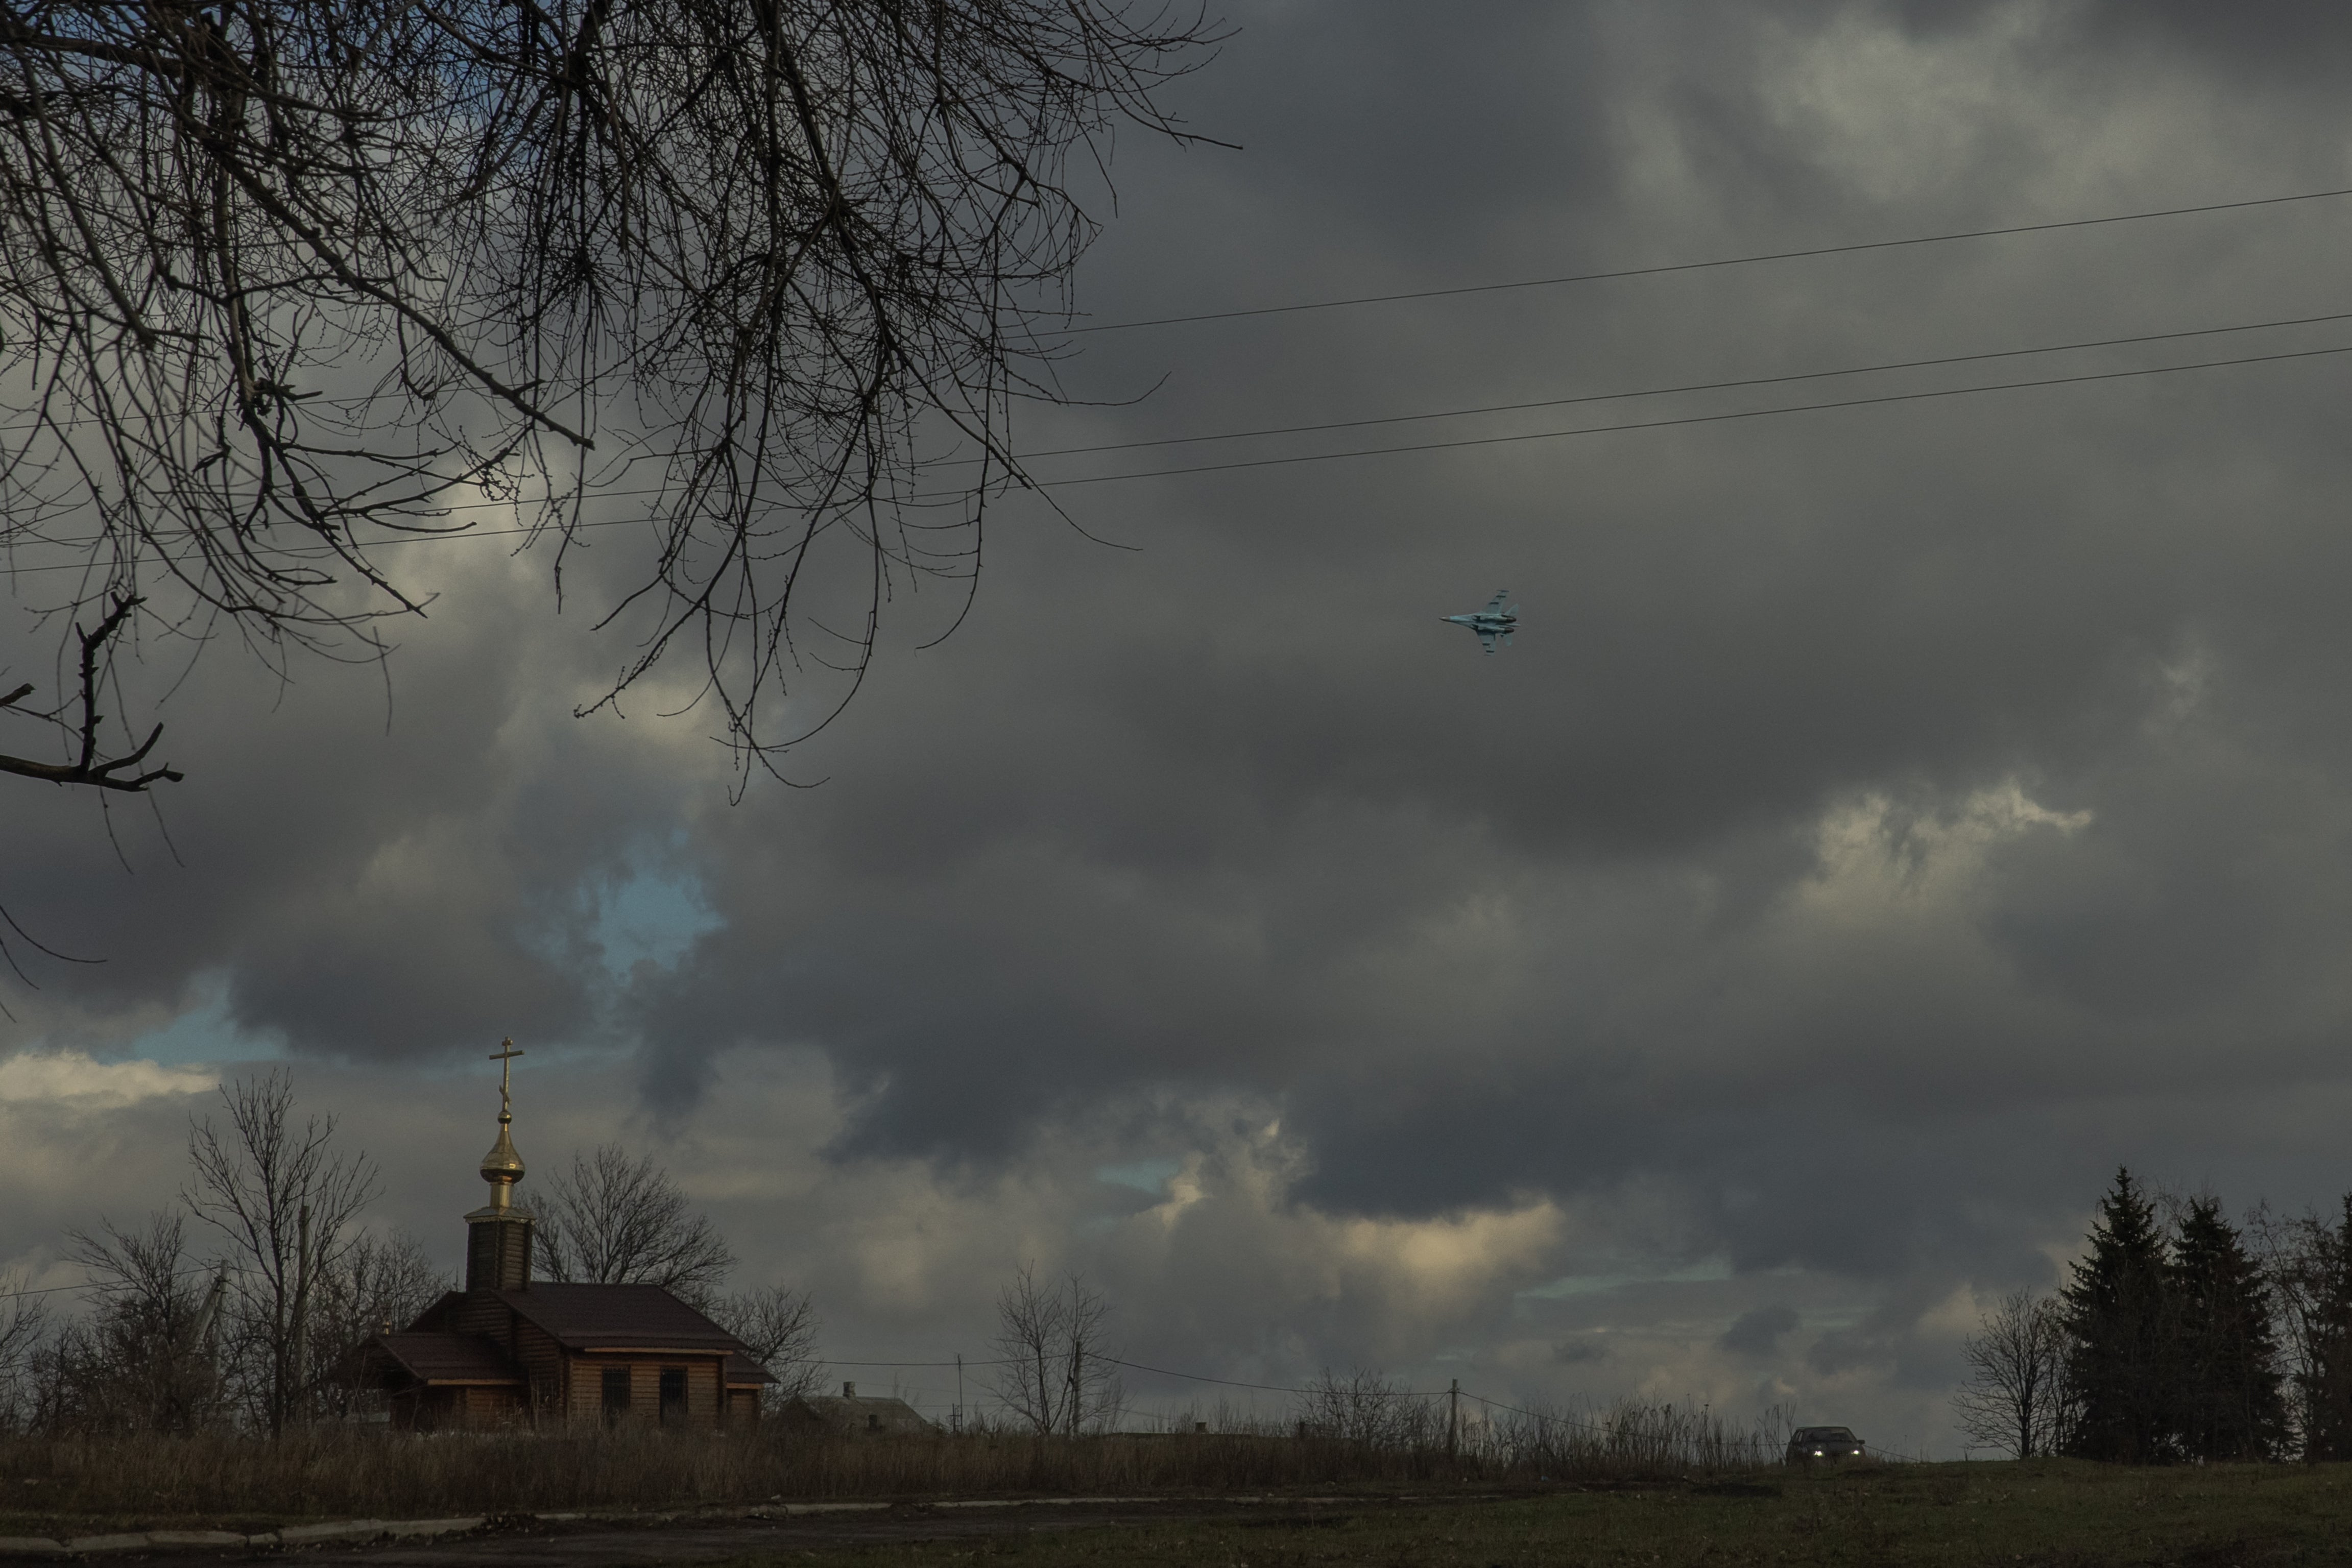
x,y
1664,423
1750,260
1669,390
422,536
1266,1387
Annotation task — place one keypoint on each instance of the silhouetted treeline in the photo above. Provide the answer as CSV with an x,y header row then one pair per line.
x,y
2179,1336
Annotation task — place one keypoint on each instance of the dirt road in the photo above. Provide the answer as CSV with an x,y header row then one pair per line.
x,y
639,1545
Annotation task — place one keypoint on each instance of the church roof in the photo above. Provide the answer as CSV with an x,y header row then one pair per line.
x,y
619,1317
448,1358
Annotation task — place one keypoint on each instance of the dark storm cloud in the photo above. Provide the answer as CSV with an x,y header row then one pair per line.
x,y
2296,41
1888,821
374,875
1193,819
1760,1332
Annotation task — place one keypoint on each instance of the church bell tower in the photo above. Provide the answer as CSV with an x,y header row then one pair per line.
x,y
498,1237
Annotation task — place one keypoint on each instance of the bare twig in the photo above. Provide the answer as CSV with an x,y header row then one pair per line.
x,y
121,772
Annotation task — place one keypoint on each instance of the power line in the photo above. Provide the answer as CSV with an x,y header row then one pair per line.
x,y
1275,1387
53,1289
430,535
820,1360
1705,265
1664,424
1670,391
428,508
111,1285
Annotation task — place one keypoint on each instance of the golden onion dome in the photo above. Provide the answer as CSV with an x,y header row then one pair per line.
x,y
502,1164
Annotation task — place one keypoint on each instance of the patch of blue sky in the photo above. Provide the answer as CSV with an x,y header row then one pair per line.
x,y
203,1035
1144,1176
651,917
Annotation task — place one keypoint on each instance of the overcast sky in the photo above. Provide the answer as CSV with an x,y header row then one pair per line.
x,y
1889,819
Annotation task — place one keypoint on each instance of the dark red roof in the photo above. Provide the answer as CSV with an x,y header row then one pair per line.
x,y
446,1358
742,1370
622,1317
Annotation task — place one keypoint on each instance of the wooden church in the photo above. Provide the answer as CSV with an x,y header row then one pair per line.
x,y
507,1350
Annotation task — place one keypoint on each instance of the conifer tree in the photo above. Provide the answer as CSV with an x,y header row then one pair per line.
x,y
2227,1401
2118,1310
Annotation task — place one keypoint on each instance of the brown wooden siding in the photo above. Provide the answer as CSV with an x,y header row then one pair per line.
x,y
435,1409
483,1313
542,1359
582,1395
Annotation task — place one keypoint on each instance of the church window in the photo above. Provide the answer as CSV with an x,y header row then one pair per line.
x,y
616,1393
672,1396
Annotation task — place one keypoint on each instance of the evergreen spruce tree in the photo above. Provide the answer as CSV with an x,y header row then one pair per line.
x,y
2325,1384
2117,1309
2226,1398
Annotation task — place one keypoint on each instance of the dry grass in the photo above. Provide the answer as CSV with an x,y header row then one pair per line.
x,y
2042,1514
134,1481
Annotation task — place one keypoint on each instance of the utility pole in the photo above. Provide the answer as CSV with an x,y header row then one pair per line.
x,y
1453,1419
300,1354
204,1341
955,1421
1077,1380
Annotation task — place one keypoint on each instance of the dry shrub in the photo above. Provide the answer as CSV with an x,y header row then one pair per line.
x,y
368,1472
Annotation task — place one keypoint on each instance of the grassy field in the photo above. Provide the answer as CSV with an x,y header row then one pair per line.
x,y
2042,1515
94,1483
1628,1500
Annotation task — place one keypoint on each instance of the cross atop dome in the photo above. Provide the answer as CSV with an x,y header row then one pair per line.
x,y
502,1167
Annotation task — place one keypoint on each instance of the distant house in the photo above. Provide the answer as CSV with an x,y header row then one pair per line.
x,y
505,1350
853,1413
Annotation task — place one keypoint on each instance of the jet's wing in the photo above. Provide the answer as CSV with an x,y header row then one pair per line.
x,y
1497,602
1488,638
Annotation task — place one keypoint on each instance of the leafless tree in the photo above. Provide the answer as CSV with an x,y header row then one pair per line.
x,y
146,1358
24,1330
612,1221
1368,1408
2307,1258
283,1198
2016,1398
284,283
1055,1374
379,1283
778,1325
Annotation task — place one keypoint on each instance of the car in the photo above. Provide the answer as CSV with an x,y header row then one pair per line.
x,y
1823,1446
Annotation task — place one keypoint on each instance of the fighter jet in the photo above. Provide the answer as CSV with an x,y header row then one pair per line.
x,y
1492,621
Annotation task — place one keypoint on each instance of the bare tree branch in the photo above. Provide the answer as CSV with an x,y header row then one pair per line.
x,y
778,1325
142,1362
88,768
283,1198
283,282
1054,1373
2017,1398
612,1221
